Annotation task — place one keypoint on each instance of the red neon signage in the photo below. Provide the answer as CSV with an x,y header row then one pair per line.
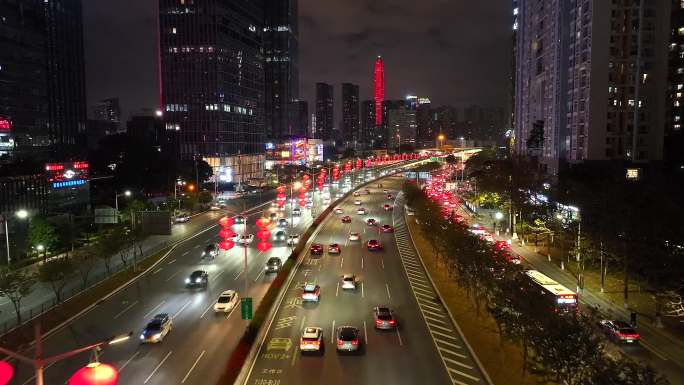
x,y
378,89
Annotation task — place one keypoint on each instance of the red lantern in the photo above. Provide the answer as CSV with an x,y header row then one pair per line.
x,y
301,196
263,234
226,221
358,163
281,203
6,373
303,190
95,373
280,189
302,203
263,222
226,233
305,177
263,246
226,245
280,196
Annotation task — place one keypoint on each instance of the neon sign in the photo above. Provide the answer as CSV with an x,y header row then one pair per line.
x,y
69,183
5,124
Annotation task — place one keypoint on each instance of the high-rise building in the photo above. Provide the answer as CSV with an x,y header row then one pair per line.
x,y
351,132
107,110
373,137
212,76
590,80
401,123
299,118
426,130
674,134
42,97
281,66
325,109
379,90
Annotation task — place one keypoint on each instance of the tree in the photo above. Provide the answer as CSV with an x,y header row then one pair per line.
x,y
15,284
108,245
42,235
84,262
205,197
56,272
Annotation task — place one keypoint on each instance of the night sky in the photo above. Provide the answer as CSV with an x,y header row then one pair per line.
x,y
453,51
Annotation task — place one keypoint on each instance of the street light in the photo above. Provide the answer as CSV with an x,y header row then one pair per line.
x,y
498,216
126,193
441,140
39,362
21,214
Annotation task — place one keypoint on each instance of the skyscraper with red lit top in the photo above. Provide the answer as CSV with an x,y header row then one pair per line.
x,y
378,89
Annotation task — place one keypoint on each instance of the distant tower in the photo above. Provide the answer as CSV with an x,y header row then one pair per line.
x,y
378,89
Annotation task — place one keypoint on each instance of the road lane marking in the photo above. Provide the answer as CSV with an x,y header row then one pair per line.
x,y
125,309
382,262
157,271
456,362
186,253
172,275
361,263
401,343
449,344
337,291
153,309
238,274
192,367
171,261
429,306
301,326
449,336
341,261
196,246
435,320
181,309
257,277
332,333
214,278
388,291
429,297
231,312
361,289
430,292
650,348
439,327
365,333
128,361
157,367
205,311
464,374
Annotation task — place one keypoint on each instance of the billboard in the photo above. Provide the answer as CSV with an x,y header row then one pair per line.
x,y
106,215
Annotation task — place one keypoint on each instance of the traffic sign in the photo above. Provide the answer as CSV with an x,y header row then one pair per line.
x,y
246,308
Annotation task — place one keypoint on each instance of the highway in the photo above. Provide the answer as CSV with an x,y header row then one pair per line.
x,y
424,349
196,350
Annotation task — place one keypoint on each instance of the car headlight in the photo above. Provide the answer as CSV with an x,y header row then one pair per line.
x,y
156,336
187,280
142,336
204,253
198,280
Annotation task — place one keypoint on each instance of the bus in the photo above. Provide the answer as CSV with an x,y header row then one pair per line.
x,y
559,297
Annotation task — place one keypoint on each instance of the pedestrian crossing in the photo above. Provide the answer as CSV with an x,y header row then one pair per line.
x,y
458,360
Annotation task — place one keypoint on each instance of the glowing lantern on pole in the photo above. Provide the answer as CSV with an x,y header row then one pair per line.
x,y
263,222
95,373
369,163
6,373
263,246
226,233
226,245
305,177
280,189
263,234
280,197
358,163
281,203
303,190
302,203
226,222
301,196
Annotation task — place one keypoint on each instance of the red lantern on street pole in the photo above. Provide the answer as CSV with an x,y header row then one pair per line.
x,y
226,222
280,189
95,373
302,203
226,245
6,372
263,246
263,222
263,234
226,233
358,163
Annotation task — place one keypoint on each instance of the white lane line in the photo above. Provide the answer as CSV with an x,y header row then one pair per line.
x,y
457,363
206,310
388,292
444,335
429,297
429,306
362,290
401,343
214,278
128,361
361,263
192,367
418,283
238,274
196,246
301,326
434,319
463,374
157,367
157,271
186,253
171,261
337,291
365,333
382,262
448,344
341,261
172,275
650,348
181,309
439,327
332,333
430,292
231,312
258,276
125,309
149,313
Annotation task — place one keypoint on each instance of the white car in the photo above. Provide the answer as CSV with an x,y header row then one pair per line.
x,y
349,282
311,293
293,240
357,202
354,236
361,211
339,195
182,218
312,340
227,301
215,207
339,211
246,239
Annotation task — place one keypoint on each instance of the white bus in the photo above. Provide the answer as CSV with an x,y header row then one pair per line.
x,y
560,297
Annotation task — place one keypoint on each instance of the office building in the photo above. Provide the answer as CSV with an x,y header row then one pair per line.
x,y
401,124
212,76
590,80
299,118
106,110
42,98
281,66
674,134
351,132
371,135
325,112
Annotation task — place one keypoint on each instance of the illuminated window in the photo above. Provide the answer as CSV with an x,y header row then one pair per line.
x,y
173,30
680,86
680,31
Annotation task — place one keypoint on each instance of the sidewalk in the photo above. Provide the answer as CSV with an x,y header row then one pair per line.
x,y
659,341
42,296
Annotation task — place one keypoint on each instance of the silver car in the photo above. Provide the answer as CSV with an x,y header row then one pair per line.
x,y
347,338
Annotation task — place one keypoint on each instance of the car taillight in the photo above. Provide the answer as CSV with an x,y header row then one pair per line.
x,y
355,342
340,342
392,322
378,322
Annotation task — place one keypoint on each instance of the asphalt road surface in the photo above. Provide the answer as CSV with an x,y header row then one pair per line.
x,y
420,351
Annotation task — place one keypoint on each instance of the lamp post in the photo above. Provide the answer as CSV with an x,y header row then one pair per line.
x,y
179,183
293,186
21,214
498,216
441,140
39,362
126,193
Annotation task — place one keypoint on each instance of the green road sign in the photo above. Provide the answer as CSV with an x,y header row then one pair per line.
x,y
434,159
246,308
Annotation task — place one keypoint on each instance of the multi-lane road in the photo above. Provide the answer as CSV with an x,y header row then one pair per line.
x,y
424,349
